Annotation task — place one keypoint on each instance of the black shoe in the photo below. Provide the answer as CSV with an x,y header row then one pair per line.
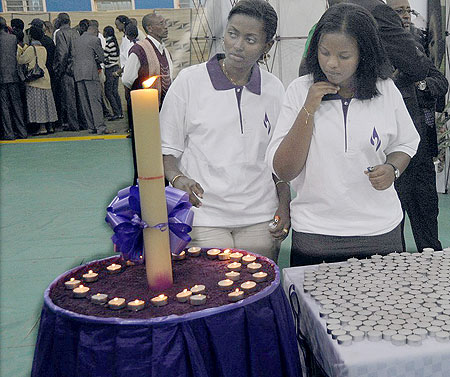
x,y
113,118
92,131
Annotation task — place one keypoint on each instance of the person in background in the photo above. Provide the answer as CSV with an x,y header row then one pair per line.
x,y
121,23
141,34
112,65
11,113
87,54
49,29
416,187
147,58
217,120
40,104
63,68
343,137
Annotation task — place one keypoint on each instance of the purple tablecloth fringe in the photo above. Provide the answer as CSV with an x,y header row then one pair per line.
x,y
254,337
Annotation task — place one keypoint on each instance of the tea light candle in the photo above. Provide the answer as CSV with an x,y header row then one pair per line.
x,y
254,267
99,298
180,256
235,266
248,286
80,291
160,300
225,284
114,268
236,256
184,295
212,253
90,277
233,275
194,251
246,259
236,295
197,289
259,276
197,300
225,255
136,305
72,283
116,303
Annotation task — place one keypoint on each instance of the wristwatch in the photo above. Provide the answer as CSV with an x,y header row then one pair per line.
x,y
396,171
422,85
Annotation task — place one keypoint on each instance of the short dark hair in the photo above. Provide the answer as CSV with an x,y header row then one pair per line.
x,y
131,31
3,25
17,23
63,18
83,25
36,33
108,31
261,10
123,19
358,23
94,23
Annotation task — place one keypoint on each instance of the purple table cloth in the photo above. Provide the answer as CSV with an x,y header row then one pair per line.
x,y
251,338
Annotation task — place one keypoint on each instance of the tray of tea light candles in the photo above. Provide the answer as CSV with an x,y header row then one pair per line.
x,y
203,278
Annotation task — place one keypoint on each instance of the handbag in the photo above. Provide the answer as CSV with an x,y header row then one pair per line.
x,y
28,75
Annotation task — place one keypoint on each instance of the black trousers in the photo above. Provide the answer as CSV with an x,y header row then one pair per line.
x,y
11,112
416,189
112,90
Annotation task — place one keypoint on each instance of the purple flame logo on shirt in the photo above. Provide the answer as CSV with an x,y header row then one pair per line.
x,y
267,123
375,139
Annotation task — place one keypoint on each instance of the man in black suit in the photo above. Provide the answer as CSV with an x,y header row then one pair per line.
x,y
63,68
87,53
12,119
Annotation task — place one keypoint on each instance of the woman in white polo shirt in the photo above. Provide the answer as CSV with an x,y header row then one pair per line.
x,y
216,123
343,136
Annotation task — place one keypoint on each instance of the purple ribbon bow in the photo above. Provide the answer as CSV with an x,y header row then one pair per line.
x,y
124,217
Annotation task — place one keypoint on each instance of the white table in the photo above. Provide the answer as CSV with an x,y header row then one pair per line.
x,y
365,358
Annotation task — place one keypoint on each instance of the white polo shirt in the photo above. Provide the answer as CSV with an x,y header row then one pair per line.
x,y
219,133
334,196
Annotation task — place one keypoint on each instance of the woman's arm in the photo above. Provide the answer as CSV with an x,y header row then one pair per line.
x,y
178,180
282,217
383,176
291,155
24,56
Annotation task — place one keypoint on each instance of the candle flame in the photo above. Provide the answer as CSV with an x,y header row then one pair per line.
x,y
81,286
113,265
149,82
72,279
161,296
237,290
185,290
227,251
115,298
90,271
136,301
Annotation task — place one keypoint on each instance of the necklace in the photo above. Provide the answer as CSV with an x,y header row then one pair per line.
x,y
227,75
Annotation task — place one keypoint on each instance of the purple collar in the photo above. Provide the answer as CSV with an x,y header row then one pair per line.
x,y
221,82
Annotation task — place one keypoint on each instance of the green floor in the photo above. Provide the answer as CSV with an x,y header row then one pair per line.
x,y
53,198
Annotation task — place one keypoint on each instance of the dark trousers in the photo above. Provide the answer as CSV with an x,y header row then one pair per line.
x,y
112,90
90,94
416,189
11,108
308,248
69,111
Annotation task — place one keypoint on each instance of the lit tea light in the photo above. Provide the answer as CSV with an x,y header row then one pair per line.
x,y
90,277
197,300
236,295
114,268
194,251
136,305
254,267
99,299
233,275
225,284
116,303
160,300
129,263
248,286
72,283
213,253
246,259
180,256
260,276
184,295
225,255
235,266
236,256
80,292
197,289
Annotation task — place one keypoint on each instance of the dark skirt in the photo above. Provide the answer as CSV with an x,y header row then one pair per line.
x,y
308,248
40,105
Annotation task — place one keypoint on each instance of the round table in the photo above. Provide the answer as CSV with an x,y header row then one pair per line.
x,y
252,337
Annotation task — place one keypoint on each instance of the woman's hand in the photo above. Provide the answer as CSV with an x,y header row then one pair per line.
x,y
316,93
193,188
279,227
381,177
